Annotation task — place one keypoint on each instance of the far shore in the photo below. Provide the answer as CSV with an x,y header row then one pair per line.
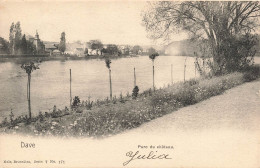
x,y
23,58
19,58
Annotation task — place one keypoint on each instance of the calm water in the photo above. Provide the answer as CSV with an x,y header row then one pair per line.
x,y
50,84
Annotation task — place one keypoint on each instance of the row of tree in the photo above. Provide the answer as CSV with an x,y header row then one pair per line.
x,y
18,44
112,49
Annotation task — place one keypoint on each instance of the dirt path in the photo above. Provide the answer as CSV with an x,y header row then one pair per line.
x,y
223,131
237,108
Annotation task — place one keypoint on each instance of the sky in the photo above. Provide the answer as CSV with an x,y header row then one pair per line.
x,y
117,22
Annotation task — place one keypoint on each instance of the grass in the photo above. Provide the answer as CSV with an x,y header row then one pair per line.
x,y
106,118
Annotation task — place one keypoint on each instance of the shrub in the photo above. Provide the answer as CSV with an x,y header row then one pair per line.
x,y
54,109
135,92
4,123
89,104
106,101
192,82
27,120
11,117
66,110
56,114
76,102
251,73
41,117
121,98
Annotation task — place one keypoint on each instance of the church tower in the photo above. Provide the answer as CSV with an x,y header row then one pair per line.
x,y
36,42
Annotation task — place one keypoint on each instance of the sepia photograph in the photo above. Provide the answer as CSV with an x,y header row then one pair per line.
x,y
112,84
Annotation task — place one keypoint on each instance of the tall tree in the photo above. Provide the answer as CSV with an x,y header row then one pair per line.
x,y
24,45
220,22
108,62
152,55
17,37
95,45
4,46
29,68
62,45
11,38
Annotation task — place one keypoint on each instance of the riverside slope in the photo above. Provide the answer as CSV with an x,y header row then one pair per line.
x,y
223,131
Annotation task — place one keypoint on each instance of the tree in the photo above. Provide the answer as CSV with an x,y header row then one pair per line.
x,y
217,22
4,46
62,45
11,38
29,68
119,53
112,49
108,62
103,51
151,51
152,55
15,36
24,45
86,51
137,49
31,48
95,45
135,92
126,50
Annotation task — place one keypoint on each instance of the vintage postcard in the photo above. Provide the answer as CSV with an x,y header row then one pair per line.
x,y
144,84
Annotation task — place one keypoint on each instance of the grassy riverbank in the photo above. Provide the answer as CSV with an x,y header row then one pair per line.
x,y
108,117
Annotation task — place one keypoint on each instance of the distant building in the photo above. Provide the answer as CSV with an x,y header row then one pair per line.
x,y
75,48
39,46
79,52
50,47
94,52
56,52
125,49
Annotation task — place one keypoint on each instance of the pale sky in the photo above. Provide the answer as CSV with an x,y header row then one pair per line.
x,y
116,22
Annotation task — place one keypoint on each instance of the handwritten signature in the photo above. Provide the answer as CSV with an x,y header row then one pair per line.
x,y
151,155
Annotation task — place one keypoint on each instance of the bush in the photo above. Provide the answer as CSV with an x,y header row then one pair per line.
x,y
135,92
238,52
252,73
4,123
41,117
76,102
89,104
56,114
121,98
192,82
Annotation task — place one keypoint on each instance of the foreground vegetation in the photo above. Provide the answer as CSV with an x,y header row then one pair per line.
x,y
108,117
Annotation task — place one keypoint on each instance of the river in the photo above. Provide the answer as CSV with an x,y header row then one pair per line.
x,y
50,85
